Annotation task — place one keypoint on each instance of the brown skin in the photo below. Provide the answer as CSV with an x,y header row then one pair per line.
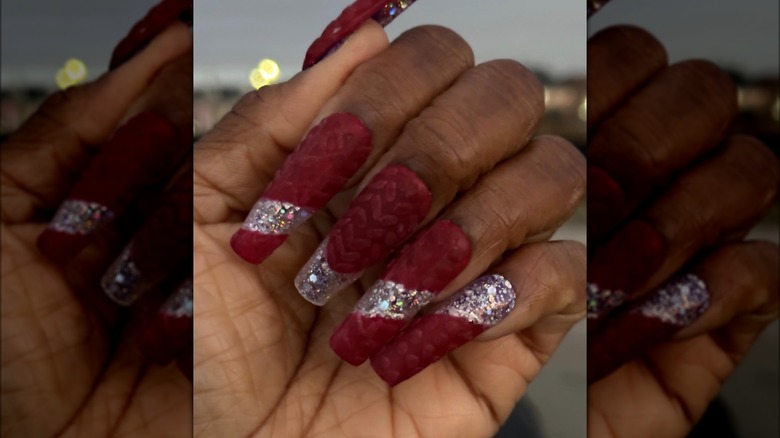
x,y
262,362
70,365
661,133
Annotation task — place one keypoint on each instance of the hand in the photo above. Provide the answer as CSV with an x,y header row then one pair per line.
x,y
70,362
460,137
676,297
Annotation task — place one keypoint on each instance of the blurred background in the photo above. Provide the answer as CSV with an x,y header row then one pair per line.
x,y
744,39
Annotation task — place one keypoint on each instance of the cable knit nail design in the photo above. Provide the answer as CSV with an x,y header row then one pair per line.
x,y
456,321
422,270
319,167
381,11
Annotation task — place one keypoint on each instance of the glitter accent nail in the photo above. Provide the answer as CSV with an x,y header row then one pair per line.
x,y
678,302
269,216
391,11
80,217
392,300
122,281
486,301
602,301
317,282
179,305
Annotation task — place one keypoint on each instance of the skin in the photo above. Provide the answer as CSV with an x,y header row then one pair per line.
x,y
262,365
70,364
660,132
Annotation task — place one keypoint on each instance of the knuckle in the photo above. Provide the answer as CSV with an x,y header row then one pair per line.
x,y
441,40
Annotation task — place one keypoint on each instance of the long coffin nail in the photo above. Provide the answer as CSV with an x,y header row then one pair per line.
x,y
142,150
381,11
479,306
123,281
328,156
152,24
629,258
383,215
673,306
171,329
421,270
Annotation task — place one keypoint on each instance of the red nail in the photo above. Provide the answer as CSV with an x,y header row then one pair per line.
x,y
602,187
629,258
326,159
421,270
139,155
162,244
380,218
381,11
170,330
624,337
154,22
606,201
456,321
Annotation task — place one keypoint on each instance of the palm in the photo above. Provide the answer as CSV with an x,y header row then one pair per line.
x,y
256,333
65,367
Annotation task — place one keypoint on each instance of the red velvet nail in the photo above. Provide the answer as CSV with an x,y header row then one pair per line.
x,y
325,160
629,258
383,215
382,11
422,269
154,22
462,317
170,330
623,337
139,155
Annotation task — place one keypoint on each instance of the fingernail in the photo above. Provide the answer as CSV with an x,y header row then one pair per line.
x,y
380,218
420,272
602,301
629,258
602,187
462,317
123,281
170,331
133,160
145,30
323,162
382,11
671,307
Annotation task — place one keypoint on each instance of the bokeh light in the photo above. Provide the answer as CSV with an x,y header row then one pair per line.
x,y
73,72
267,72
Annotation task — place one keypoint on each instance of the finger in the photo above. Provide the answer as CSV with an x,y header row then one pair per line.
x,y
41,158
491,301
486,116
164,242
721,197
684,376
681,114
142,152
225,185
621,59
751,269
376,101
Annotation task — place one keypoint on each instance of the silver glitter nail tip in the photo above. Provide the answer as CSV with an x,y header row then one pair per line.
x,y
388,299
122,281
602,301
80,217
269,216
486,301
391,10
679,302
317,282
179,305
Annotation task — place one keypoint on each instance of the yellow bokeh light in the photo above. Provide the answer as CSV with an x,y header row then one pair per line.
x,y
266,73
73,72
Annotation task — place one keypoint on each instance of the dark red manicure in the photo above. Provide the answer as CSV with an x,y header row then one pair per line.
x,y
624,337
326,159
142,33
170,332
629,258
382,11
139,155
479,306
421,271
381,217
